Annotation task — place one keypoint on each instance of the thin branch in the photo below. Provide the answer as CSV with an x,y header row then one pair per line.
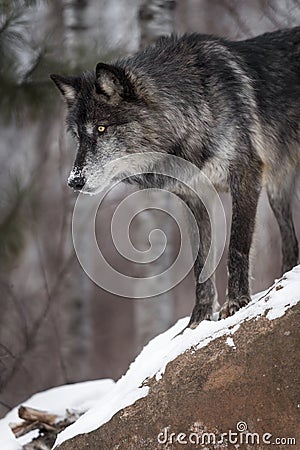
x,y
6,349
20,308
33,66
37,324
233,10
6,405
49,297
281,13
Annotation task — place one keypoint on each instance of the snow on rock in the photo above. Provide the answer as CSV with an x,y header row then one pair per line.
x,y
164,348
104,398
78,396
230,342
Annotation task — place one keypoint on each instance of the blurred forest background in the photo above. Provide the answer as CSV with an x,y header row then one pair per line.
x,y
57,326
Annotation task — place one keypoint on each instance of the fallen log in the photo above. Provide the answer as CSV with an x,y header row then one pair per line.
x,y
47,424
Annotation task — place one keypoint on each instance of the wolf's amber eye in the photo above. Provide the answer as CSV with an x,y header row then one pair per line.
x,y
101,128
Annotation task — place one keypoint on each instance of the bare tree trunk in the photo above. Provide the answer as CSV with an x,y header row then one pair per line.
x,y
156,19
77,304
154,315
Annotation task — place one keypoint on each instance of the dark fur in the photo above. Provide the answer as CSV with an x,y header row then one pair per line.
x,y
231,108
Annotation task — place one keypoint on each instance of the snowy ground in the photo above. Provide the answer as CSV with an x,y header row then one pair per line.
x,y
78,397
104,398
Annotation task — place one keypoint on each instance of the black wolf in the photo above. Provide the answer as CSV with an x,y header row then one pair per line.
x,y
231,108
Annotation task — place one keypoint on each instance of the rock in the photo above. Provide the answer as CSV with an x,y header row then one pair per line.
x,y
249,382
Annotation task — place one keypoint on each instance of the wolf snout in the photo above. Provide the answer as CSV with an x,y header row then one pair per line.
x,y
77,182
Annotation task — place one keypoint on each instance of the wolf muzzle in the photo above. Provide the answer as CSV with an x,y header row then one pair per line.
x,y
77,182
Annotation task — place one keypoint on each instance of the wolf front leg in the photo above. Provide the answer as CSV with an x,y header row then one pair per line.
x,y
245,189
206,294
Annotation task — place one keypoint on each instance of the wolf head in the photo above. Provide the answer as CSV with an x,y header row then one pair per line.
x,y
110,116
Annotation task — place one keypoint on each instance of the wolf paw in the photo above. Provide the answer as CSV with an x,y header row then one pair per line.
x,y
203,312
230,307
193,323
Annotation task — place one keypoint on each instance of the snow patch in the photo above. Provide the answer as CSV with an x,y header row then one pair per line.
x,y
230,342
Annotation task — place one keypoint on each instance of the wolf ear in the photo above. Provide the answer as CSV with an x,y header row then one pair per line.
x,y
68,86
113,82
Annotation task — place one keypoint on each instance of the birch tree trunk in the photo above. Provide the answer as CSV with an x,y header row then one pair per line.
x,y
156,19
154,315
77,303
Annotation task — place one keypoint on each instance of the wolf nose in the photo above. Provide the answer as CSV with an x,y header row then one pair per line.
x,y
76,183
